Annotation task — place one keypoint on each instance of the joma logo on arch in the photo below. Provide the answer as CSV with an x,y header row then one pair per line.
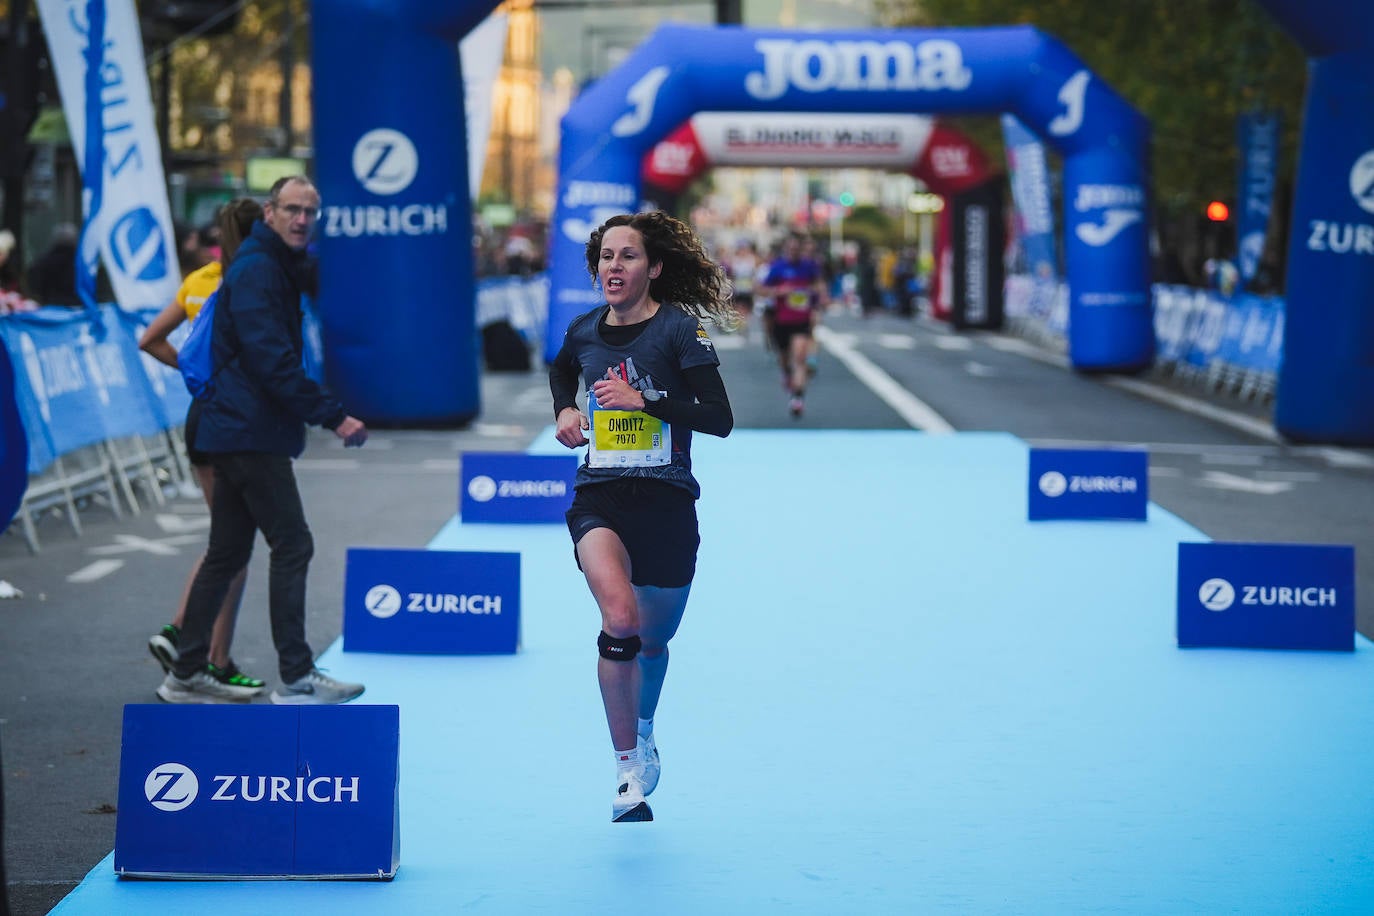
x,y
813,65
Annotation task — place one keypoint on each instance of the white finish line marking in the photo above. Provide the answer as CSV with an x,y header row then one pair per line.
x,y
911,408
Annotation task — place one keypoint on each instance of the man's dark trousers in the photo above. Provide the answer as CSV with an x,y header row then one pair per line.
x,y
254,491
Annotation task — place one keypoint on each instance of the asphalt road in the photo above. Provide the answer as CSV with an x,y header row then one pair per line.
x,y
73,650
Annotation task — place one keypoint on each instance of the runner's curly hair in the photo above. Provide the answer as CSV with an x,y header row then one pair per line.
x,y
689,279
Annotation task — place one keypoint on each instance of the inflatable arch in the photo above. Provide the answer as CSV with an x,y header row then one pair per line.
x,y
947,161
944,159
1326,381
681,70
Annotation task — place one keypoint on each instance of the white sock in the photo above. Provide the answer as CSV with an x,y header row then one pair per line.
x,y
646,727
627,760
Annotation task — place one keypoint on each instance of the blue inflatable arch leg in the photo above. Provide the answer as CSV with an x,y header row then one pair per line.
x,y
396,269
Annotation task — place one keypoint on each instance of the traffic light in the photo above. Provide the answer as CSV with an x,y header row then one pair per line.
x,y
1218,212
846,198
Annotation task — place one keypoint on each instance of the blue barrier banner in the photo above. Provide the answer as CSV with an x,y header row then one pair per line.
x,y
230,791
168,397
1266,596
515,487
31,411
1088,484
14,444
441,602
1258,140
87,387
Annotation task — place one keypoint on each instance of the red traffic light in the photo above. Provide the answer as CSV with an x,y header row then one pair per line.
x,y
1218,212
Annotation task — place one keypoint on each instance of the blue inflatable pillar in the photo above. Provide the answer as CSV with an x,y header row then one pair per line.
x,y
397,289
1326,382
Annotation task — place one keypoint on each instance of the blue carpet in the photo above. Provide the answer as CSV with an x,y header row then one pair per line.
x,y
891,694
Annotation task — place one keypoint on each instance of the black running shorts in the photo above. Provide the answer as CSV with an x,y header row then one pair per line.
x,y
656,521
783,333
197,458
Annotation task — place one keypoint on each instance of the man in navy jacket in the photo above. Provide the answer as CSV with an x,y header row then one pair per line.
x,y
252,425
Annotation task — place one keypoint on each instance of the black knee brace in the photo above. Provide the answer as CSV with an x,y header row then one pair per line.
x,y
618,650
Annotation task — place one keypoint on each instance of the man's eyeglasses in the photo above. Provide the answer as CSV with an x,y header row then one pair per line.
x,y
294,210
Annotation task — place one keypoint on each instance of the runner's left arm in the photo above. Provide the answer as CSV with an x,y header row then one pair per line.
x,y
710,413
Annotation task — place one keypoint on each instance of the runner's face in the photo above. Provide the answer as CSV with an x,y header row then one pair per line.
x,y
624,268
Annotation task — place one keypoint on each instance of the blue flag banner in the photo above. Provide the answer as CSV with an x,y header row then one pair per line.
x,y
1088,484
441,602
1258,139
314,787
516,487
1266,596
1028,168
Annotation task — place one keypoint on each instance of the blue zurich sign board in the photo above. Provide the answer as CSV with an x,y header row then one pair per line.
x,y
1266,596
1088,484
258,791
516,487
438,602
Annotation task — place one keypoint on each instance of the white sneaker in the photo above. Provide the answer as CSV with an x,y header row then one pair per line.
x,y
629,804
649,767
316,689
198,688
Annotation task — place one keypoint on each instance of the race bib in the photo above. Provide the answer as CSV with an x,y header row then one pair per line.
x,y
627,438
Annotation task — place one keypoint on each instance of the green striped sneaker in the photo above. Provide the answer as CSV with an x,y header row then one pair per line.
x,y
244,685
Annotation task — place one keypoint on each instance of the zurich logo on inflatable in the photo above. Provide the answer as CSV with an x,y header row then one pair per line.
x,y
138,246
1362,181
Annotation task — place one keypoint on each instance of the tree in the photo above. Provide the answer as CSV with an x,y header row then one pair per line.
x,y
1189,67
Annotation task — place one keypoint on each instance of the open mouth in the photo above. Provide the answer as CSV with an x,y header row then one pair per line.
x,y
615,283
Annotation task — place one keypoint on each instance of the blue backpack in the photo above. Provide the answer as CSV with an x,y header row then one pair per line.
x,y
196,358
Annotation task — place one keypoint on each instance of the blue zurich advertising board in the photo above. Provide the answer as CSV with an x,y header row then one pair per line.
x,y
1088,484
515,487
1266,596
259,791
436,602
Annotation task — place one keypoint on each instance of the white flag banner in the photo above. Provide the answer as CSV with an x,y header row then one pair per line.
x,y
97,51
482,51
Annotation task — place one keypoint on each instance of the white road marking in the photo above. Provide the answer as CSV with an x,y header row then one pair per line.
x,y
952,343
1221,480
730,342
979,370
1344,458
162,547
97,570
505,430
897,341
327,464
175,524
911,408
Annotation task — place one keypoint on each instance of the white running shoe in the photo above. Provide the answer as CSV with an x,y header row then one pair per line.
x,y
649,767
315,689
199,688
629,804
